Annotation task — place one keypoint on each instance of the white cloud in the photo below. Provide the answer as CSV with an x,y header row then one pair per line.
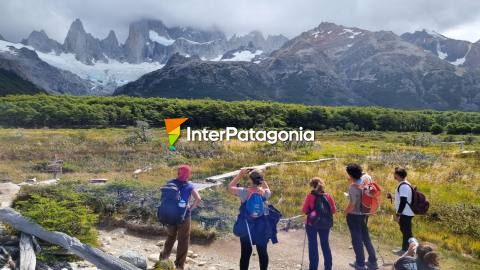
x,y
290,17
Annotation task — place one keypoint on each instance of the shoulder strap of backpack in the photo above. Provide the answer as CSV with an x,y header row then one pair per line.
x,y
411,187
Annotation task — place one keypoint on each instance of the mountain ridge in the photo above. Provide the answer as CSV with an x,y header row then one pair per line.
x,y
328,65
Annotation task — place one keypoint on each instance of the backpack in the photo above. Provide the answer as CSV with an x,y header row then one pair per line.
x,y
255,205
420,204
324,217
171,211
371,194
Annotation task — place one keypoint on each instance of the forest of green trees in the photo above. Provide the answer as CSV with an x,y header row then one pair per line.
x,y
39,111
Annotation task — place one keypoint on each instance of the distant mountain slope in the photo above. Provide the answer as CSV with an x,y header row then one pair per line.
x,y
11,83
451,50
107,63
25,63
331,65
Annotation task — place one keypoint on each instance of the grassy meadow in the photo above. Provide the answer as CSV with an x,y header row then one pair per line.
x,y
450,180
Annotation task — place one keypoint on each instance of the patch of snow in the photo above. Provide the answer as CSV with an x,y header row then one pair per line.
x,y
434,34
352,33
461,61
244,56
458,62
441,54
113,72
196,43
218,58
5,46
315,34
349,45
154,36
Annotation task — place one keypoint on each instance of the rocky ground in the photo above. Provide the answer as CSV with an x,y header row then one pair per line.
x,y
223,254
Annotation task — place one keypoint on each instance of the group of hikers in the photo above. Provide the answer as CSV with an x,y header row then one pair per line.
x,y
256,222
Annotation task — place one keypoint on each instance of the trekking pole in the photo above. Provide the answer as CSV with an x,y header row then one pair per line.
x,y
303,251
249,235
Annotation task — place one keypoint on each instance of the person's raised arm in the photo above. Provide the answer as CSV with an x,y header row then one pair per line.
x,y
196,199
265,185
232,187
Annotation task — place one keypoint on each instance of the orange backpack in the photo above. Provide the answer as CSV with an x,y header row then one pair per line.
x,y
371,195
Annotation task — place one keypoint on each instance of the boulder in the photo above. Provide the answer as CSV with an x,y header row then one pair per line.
x,y
135,258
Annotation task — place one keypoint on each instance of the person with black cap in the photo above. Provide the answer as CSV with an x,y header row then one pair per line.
x,y
252,216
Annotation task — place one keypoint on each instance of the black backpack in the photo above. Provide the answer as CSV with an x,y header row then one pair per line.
x,y
324,217
420,204
169,212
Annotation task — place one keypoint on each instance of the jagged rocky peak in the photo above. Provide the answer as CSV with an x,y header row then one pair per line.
x,y
1,37
40,41
197,35
331,31
111,47
86,48
258,40
142,35
451,50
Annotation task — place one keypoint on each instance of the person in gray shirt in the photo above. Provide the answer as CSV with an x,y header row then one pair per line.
x,y
357,221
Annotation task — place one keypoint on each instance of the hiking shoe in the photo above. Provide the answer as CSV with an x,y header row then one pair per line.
x,y
371,266
357,267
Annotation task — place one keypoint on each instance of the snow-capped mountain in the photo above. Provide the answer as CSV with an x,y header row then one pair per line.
x,y
330,65
106,64
451,50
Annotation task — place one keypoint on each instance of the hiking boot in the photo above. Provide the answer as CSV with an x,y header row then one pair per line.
x,y
371,266
357,267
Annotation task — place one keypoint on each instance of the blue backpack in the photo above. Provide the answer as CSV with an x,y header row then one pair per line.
x,y
255,205
173,208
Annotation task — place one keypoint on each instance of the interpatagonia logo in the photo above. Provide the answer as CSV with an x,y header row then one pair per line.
x,y
172,127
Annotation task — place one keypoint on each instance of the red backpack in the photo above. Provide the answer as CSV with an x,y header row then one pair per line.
x,y
371,195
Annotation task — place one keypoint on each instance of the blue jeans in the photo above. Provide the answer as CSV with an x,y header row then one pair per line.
x,y
313,247
357,224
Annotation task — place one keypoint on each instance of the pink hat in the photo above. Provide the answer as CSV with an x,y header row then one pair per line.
x,y
183,172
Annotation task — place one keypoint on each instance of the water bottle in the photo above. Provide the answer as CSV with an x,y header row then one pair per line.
x,y
182,203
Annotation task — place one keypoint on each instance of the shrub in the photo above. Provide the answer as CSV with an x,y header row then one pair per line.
x,y
436,129
476,129
59,210
164,265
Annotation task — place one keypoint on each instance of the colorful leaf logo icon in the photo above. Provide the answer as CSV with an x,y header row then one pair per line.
x,y
172,126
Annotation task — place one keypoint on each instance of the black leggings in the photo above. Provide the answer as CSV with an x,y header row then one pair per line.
x,y
246,253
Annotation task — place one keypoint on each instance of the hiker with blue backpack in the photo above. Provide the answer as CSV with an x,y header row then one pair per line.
x,y
319,206
175,213
252,225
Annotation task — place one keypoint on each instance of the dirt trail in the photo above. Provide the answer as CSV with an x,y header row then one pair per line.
x,y
8,191
224,253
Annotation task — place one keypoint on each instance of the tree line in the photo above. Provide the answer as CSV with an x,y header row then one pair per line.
x,y
39,111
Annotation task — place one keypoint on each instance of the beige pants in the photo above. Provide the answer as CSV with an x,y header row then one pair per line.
x,y
180,233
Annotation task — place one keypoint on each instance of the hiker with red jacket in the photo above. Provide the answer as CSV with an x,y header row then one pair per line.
x,y
319,207
403,206
357,221
254,212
